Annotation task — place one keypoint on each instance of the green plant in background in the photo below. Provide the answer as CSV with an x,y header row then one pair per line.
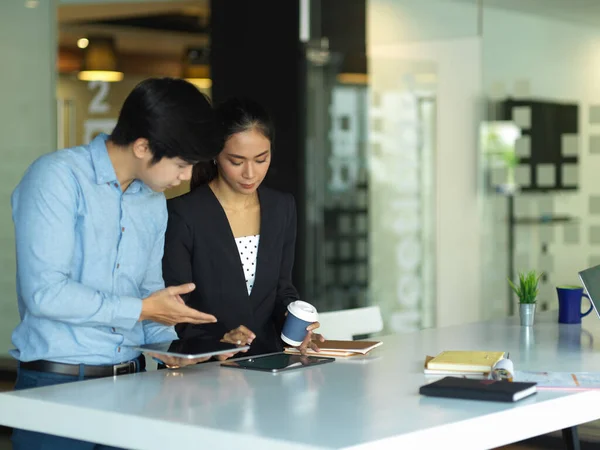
x,y
497,148
527,290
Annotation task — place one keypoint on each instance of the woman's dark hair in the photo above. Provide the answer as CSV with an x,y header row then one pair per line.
x,y
175,117
235,115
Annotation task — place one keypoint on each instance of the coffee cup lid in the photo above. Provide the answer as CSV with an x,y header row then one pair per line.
x,y
303,311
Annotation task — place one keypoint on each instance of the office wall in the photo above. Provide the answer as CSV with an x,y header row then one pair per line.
x,y
27,123
425,50
520,56
256,56
553,61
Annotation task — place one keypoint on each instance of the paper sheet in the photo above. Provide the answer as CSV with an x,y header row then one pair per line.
x,y
561,380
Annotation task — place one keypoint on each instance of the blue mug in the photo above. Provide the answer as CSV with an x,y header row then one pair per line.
x,y
569,304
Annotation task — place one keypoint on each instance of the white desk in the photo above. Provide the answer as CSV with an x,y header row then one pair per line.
x,y
363,403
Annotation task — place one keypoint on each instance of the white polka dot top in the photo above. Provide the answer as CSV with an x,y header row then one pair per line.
x,y
248,249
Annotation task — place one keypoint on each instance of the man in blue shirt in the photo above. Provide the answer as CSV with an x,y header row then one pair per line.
x,y
89,228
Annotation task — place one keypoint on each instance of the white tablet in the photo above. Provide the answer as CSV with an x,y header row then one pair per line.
x,y
191,348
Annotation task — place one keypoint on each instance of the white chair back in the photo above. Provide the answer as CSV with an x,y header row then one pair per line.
x,y
347,323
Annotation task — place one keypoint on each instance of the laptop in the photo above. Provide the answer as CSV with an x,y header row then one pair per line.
x,y
591,282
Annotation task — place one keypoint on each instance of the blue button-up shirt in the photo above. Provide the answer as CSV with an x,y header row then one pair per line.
x,y
87,254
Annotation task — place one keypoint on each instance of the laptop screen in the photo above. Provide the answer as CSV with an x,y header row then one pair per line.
x,y
591,281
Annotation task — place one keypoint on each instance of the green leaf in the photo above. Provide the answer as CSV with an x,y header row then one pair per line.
x,y
527,290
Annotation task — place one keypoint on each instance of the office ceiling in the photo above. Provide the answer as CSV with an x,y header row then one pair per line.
x,y
168,27
155,27
77,13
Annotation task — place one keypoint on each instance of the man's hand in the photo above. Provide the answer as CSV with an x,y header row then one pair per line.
x,y
167,307
308,341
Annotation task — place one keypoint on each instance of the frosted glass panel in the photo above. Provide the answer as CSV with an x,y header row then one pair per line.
x,y
27,123
424,60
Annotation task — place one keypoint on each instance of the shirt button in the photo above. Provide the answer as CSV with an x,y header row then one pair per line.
x,y
118,265
113,329
119,349
116,184
122,229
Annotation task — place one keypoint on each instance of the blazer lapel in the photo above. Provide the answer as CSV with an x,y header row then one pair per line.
x,y
233,272
268,229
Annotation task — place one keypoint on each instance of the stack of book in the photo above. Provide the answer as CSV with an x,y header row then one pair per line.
x,y
462,363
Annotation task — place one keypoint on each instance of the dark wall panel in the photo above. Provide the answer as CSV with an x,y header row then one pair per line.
x,y
255,51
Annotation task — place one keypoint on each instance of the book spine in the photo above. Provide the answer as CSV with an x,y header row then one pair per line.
x,y
465,394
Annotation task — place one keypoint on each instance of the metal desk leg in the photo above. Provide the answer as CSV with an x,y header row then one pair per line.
x,y
571,438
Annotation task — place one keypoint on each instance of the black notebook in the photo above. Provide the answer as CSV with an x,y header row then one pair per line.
x,y
468,388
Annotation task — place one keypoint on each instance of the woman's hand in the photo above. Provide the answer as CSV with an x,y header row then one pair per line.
x,y
173,362
239,336
308,342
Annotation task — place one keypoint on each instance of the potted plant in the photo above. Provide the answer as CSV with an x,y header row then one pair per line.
x,y
527,291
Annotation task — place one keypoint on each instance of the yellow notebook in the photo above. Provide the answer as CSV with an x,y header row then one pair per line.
x,y
466,361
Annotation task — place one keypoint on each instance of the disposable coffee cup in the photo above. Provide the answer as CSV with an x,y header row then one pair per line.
x,y
300,315
503,370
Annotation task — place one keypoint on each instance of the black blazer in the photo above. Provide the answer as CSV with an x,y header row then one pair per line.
x,y
200,248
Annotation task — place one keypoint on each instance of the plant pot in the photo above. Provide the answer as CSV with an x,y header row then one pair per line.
x,y
527,314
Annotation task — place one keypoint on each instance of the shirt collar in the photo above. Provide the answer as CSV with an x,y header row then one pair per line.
x,y
105,172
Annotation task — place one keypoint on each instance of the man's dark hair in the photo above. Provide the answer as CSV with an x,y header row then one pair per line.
x,y
175,117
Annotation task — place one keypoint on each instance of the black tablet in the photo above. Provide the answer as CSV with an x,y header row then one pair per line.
x,y
278,362
191,348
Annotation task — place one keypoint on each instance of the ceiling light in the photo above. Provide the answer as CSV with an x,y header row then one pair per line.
x,y
353,69
195,67
100,62
353,78
82,43
109,76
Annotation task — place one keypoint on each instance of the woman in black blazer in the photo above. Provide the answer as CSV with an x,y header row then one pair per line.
x,y
235,239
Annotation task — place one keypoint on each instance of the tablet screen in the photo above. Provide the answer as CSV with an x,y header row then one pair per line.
x,y
277,362
191,348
